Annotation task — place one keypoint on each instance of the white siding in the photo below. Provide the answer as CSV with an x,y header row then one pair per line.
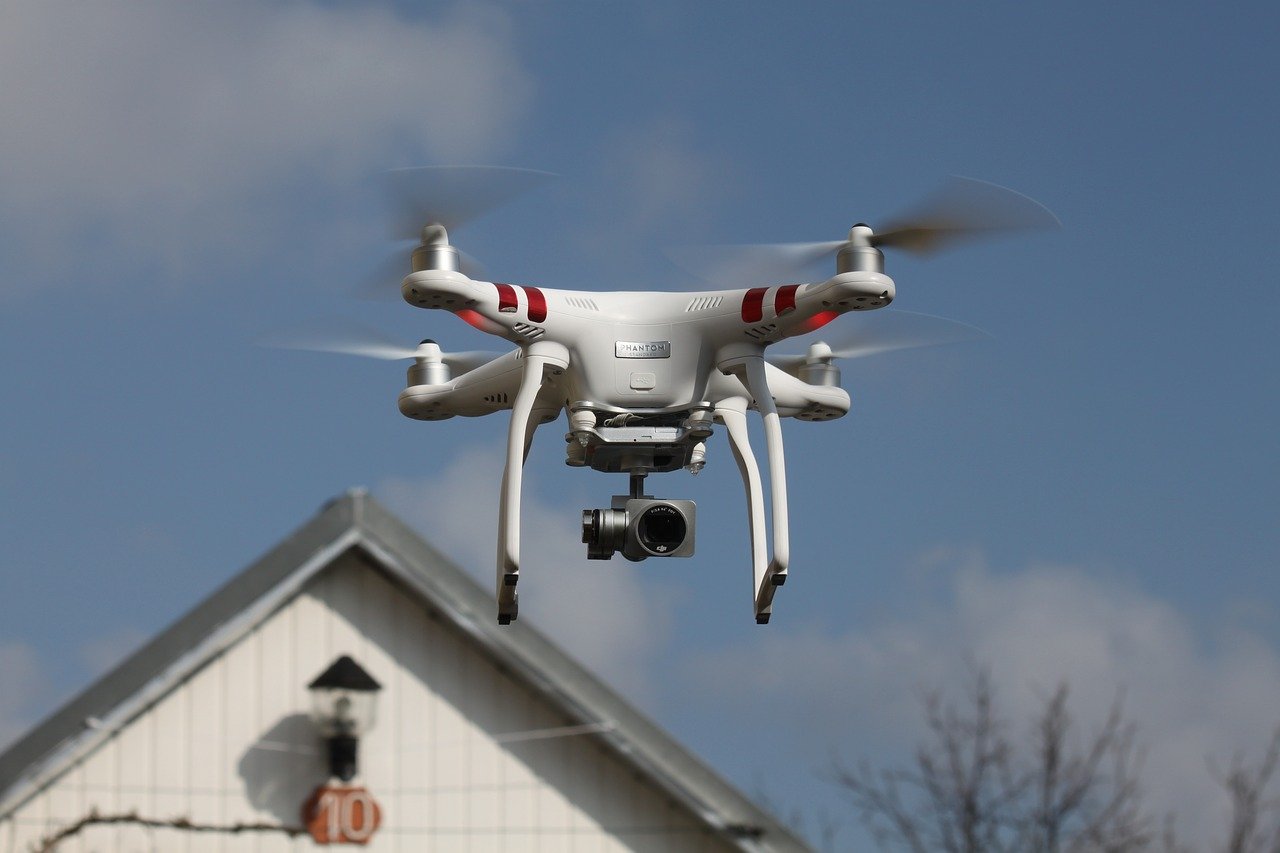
x,y
232,744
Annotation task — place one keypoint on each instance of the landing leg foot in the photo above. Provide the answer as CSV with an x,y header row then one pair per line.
x,y
508,611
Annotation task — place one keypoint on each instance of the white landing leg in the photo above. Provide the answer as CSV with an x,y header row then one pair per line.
x,y
519,436
753,376
733,414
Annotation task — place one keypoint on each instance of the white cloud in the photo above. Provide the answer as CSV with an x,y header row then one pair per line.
x,y
155,123
1034,629
597,610
23,689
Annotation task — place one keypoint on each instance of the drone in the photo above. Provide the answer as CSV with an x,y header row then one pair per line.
x,y
647,377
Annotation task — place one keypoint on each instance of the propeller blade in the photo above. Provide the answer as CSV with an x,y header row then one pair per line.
x,y
962,209
885,331
348,341
746,264
369,343
452,195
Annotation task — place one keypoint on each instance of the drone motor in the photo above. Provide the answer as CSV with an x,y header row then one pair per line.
x,y
434,251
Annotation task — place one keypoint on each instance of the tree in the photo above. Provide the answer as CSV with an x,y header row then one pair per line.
x,y
1254,826
973,788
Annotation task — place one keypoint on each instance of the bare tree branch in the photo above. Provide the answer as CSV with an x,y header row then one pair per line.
x,y
971,790
1249,831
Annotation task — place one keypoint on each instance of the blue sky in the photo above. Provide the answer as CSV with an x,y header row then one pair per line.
x,y
1091,495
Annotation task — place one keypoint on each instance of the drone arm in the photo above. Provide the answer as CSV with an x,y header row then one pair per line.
x,y
540,361
732,413
516,313
793,310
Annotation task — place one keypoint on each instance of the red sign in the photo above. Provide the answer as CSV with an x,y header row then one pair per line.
x,y
340,815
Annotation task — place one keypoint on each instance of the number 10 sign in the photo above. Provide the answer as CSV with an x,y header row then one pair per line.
x,y
341,815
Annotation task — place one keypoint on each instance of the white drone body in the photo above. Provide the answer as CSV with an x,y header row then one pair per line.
x,y
645,377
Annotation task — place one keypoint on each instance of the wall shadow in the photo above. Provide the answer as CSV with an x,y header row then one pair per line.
x,y
283,767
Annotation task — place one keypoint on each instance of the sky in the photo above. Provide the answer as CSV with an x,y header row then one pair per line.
x,y
1090,496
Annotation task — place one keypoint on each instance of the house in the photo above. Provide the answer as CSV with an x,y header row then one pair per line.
x,y
485,737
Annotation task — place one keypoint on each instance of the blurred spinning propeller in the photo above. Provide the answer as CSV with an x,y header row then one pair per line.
x,y
450,196
961,209
861,335
368,343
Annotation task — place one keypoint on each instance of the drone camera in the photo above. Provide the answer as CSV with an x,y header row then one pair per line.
x,y
639,528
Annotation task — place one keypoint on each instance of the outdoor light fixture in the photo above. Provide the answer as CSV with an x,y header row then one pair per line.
x,y
343,700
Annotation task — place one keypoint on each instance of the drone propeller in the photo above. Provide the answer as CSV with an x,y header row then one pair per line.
x,y
426,203
881,331
962,209
370,344
452,195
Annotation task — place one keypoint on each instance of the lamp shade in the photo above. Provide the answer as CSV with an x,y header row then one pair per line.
x,y
343,699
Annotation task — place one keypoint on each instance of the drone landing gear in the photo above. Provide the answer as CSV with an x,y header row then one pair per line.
x,y
507,614
541,362
768,574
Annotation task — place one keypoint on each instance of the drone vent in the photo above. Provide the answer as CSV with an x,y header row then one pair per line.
x,y
761,333
704,303
496,399
819,412
582,302
528,332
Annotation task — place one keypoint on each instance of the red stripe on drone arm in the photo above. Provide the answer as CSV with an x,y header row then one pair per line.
x,y
506,297
784,302
537,304
753,305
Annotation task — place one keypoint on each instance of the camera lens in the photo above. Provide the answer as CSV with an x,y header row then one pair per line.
x,y
603,532
661,528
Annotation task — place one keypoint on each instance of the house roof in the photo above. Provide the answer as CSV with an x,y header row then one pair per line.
x,y
355,521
